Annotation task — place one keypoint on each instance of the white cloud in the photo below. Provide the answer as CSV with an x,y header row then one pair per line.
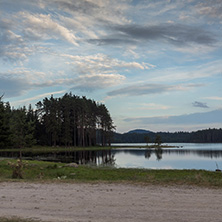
x,y
31,76
101,62
93,82
40,26
80,24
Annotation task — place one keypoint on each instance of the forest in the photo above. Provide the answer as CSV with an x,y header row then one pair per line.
x,y
67,121
200,136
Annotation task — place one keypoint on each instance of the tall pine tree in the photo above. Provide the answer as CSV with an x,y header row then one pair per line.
x,y
4,124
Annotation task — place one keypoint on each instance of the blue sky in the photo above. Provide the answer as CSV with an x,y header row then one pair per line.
x,y
156,65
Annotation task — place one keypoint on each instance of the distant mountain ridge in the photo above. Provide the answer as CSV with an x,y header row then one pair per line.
x,y
139,135
140,131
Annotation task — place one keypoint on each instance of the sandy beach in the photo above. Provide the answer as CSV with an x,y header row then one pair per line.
x,y
64,202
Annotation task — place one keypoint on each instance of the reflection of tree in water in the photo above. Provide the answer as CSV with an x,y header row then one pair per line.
x,y
94,157
103,157
106,158
158,152
148,154
201,153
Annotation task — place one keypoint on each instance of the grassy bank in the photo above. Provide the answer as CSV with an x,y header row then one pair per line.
x,y
38,171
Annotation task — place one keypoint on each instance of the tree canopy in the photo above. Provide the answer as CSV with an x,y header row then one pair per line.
x,y
67,121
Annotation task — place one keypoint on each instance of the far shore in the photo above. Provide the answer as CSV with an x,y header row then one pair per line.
x,y
46,149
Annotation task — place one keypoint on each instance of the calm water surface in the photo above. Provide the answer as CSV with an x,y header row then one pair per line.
x,y
187,156
184,156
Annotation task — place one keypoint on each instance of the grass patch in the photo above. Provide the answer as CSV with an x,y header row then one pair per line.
x,y
39,171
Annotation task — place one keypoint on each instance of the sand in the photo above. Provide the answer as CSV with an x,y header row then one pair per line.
x,y
63,202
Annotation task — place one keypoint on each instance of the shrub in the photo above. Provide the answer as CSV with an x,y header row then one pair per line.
x,y
17,168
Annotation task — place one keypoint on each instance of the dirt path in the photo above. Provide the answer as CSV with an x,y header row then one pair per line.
x,y
109,202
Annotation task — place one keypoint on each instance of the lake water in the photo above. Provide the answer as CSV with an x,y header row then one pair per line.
x,y
187,156
207,156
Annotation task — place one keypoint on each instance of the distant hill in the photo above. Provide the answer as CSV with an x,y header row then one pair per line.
x,y
133,136
140,131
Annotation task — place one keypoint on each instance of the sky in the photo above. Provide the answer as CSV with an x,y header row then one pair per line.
x,y
155,64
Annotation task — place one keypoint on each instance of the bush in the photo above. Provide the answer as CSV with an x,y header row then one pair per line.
x,y
17,169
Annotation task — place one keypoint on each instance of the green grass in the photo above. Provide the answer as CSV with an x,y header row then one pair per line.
x,y
39,171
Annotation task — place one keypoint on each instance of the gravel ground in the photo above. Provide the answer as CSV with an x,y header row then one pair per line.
x,y
64,202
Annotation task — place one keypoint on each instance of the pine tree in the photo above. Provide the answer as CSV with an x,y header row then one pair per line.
x,y
158,140
22,129
4,125
72,120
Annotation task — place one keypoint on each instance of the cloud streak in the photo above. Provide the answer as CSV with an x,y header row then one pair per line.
x,y
151,106
194,118
147,89
176,34
100,63
98,81
214,98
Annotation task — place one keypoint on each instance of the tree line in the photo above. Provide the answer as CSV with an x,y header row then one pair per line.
x,y
200,136
67,121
